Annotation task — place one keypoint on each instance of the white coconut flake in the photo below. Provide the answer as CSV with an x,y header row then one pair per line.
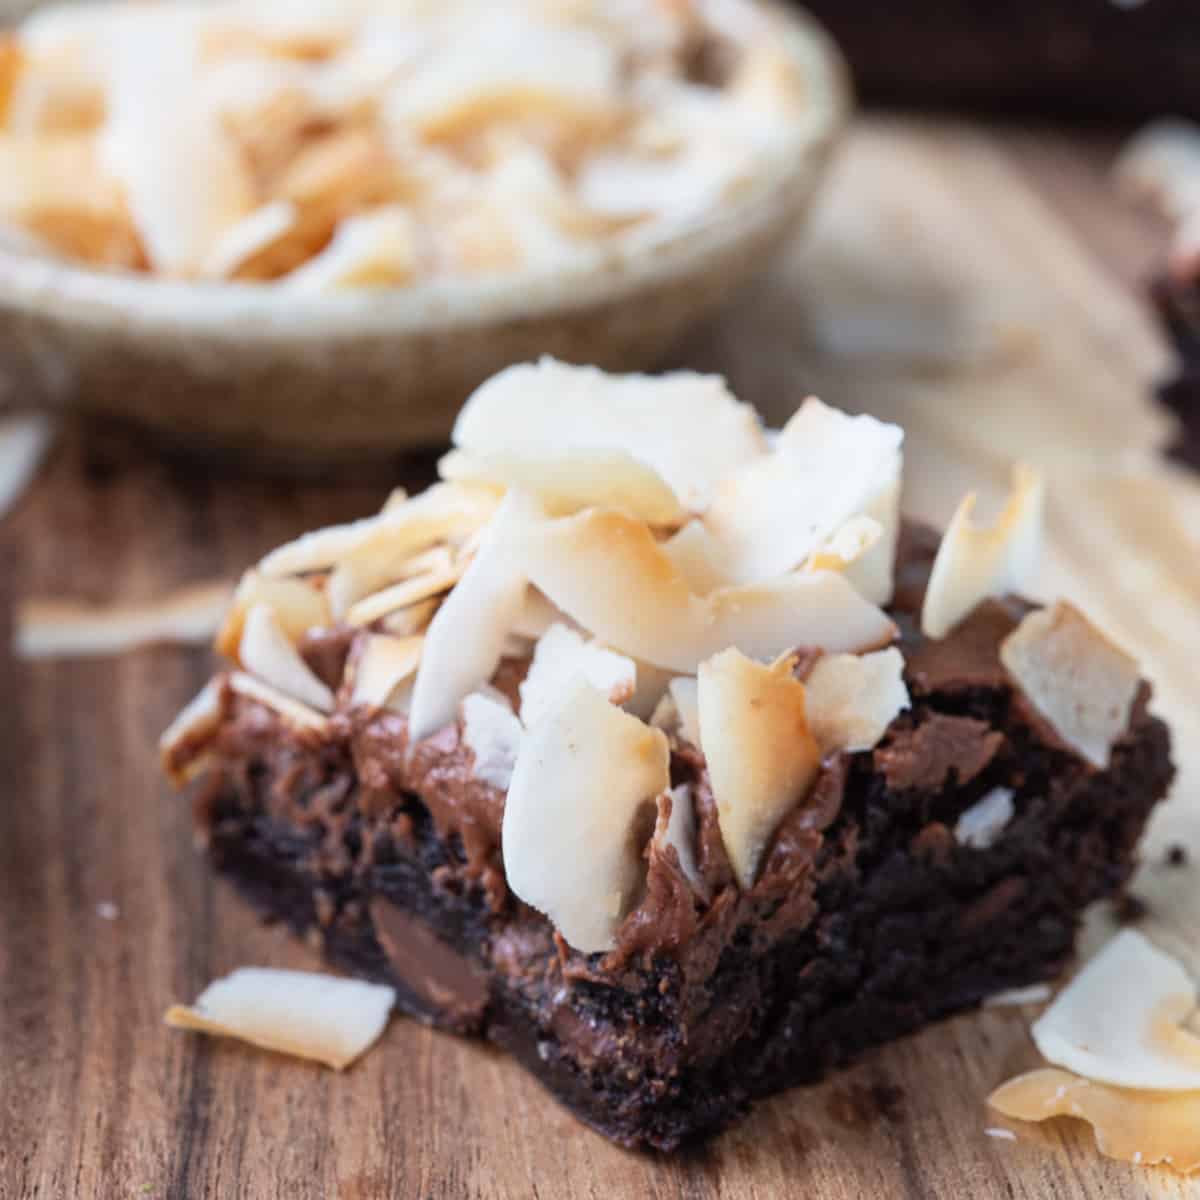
x,y
65,629
1003,1135
382,665
24,441
852,698
1035,993
377,249
562,658
1119,1021
266,651
308,1015
981,825
493,733
585,782
296,714
250,236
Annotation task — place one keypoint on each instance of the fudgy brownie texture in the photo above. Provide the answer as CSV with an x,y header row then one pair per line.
x,y
869,917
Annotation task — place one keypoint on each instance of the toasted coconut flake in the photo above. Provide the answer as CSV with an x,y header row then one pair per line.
x,y
24,441
697,557
377,249
981,825
864,550
313,1016
578,813
298,715
63,629
562,658
538,615
196,723
606,571
677,828
687,427
492,732
825,468
852,699
466,638
685,699
572,480
974,563
407,622
391,537
382,665
404,594
266,651
1074,676
1119,1021
297,605
1143,1128
253,234
761,756
358,578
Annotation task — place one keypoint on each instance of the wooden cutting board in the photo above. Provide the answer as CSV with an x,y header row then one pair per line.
x,y
976,286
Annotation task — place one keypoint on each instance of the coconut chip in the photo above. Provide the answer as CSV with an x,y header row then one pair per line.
x,y
492,732
63,629
825,468
197,722
24,441
973,563
253,234
761,756
1119,1021
405,594
677,828
377,249
407,622
267,653
561,659
321,1017
571,480
1074,676
697,557
293,712
852,699
296,605
381,666
688,428
466,639
1143,1128
584,786
981,825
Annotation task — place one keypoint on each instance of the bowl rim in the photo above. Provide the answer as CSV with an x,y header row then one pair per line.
x,y
100,300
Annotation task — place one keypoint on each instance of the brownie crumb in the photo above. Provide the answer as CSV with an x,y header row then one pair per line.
x,y
1177,855
1129,909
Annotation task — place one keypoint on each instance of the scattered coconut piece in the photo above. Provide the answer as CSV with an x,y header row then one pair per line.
x,y
573,479
380,248
381,666
64,629
853,698
24,441
688,428
981,825
405,594
493,733
254,233
1119,1021
1074,676
583,789
321,1017
676,826
1161,167
761,755
1035,993
300,716
606,571
466,639
1143,1128
560,659
106,910
198,721
297,605
973,563
825,468
266,652
1002,1135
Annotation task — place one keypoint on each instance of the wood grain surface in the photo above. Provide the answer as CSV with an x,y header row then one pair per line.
x,y
977,286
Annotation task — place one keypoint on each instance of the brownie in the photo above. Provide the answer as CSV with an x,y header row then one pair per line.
x,y
1176,298
1081,58
872,914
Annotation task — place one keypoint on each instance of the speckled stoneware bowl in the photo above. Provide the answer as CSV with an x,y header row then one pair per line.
x,y
253,370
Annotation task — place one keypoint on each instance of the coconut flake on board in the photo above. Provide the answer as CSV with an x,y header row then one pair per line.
x,y
320,1017
65,629
24,441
